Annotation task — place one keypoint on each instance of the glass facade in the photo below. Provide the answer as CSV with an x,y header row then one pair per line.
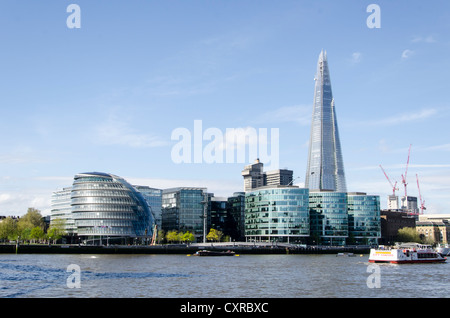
x,y
325,168
277,214
329,217
364,218
182,210
154,199
62,210
106,205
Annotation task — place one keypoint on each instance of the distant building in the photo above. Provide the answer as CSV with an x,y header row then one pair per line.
x,y
277,214
329,217
363,218
236,221
435,228
61,209
255,177
183,209
103,208
154,199
391,222
278,177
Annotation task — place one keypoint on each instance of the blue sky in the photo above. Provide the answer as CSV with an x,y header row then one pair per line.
x,y
107,96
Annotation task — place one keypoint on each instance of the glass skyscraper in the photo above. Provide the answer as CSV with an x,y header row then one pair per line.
x,y
325,170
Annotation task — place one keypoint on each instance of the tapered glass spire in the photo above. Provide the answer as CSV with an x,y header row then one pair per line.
x,y
325,170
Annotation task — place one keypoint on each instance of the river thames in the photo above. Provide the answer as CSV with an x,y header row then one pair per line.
x,y
244,276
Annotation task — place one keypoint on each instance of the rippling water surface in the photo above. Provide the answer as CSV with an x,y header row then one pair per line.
x,y
253,276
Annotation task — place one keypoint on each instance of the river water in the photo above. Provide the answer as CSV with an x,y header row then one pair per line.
x,y
252,276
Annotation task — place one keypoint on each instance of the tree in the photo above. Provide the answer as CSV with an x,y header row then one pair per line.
x,y
8,229
214,235
408,234
37,233
57,229
30,220
188,237
172,236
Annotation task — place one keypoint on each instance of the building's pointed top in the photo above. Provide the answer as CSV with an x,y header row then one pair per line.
x,y
323,55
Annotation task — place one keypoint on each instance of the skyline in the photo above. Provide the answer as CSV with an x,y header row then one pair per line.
x,y
107,96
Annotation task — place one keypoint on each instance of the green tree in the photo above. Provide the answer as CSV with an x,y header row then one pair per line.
x,y
56,230
214,235
37,233
172,236
188,237
408,234
8,229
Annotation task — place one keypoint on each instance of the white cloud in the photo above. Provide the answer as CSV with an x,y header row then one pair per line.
x,y
118,132
406,117
407,53
300,114
356,57
427,39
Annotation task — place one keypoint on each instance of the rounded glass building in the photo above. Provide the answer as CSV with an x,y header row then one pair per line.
x,y
277,214
106,207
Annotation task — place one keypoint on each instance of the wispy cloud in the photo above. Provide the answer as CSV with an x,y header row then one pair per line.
x,y
300,114
405,117
407,54
117,131
426,39
356,57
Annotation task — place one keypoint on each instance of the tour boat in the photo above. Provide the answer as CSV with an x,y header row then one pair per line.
x,y
444,250
405,255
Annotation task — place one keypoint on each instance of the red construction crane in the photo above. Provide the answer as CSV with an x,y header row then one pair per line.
x,y
406,171
393,186
422,203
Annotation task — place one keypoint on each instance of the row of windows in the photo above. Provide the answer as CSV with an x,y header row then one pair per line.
x,y
104,215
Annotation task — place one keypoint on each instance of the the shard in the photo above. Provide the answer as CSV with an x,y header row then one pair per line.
x,y
325,170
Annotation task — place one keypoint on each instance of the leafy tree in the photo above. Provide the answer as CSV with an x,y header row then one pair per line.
x,y
172,236
214,235
37,233
8,229
56,230
187,237
408,234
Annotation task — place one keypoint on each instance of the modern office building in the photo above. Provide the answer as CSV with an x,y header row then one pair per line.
x,y
255,177
103,208
154,199
236,210
325,168
278,177
61,210
183,210
277,214
328,217
363,218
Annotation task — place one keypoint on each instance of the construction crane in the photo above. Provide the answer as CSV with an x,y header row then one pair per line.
x,y
406,171
394,188
422,203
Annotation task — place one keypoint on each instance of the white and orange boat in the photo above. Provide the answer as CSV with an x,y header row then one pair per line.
x,y
405,254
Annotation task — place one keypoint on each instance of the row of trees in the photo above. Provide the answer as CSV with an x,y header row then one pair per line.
x,y
29,228
187,237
